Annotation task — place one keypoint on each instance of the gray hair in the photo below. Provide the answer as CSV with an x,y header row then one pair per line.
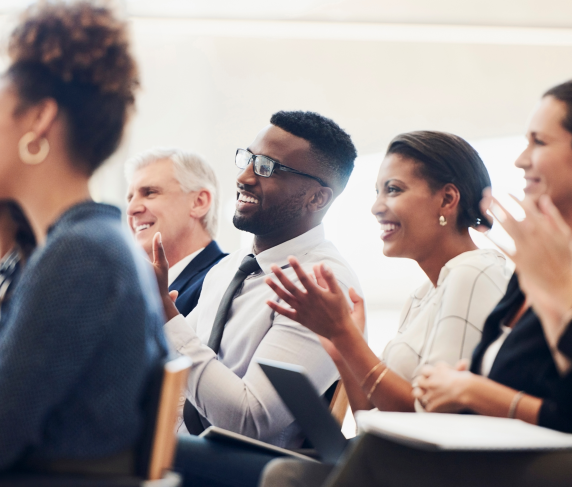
x,y
192,172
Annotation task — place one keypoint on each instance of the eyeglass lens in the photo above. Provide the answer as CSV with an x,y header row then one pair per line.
x,y
262,165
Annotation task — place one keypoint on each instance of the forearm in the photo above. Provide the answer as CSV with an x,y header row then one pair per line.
x,y
393,393
357,398
489,398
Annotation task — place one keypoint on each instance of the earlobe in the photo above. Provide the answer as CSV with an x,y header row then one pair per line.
x,y
201,203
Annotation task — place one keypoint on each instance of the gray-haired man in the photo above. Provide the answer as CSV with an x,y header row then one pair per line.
x,y
176,193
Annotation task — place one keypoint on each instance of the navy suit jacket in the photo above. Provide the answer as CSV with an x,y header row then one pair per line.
x,y
189,282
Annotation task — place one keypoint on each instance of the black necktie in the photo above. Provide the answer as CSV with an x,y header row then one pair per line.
x,y
247,267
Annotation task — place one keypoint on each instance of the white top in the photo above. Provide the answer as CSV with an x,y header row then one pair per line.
x,y
177,268
445,323
492,351
232,392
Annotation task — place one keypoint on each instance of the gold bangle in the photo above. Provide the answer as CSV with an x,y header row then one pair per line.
x,y
373,369
381,376
513,404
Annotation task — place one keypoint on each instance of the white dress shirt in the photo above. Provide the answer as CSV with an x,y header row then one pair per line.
x,y
177,268
445,323
230,390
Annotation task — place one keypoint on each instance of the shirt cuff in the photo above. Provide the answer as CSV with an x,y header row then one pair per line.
x,y
179,332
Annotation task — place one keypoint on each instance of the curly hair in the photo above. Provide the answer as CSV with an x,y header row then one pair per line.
x,y
78,54
332,146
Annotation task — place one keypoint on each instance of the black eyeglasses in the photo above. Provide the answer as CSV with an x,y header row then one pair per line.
x,y
264,166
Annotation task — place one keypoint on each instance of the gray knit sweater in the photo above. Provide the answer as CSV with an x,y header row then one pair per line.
x,y
83,332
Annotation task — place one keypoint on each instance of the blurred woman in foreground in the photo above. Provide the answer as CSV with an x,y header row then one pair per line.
x,y
84,329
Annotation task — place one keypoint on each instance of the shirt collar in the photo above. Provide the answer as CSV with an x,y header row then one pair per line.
x,y
177,268
298,246
461,259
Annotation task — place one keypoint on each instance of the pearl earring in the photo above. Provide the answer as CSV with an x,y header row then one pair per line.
x,y
442,221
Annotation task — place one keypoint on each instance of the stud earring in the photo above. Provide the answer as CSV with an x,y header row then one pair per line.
x,y
442,221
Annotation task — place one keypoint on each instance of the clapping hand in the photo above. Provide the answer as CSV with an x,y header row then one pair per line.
x,y
543,255
161,268
321,305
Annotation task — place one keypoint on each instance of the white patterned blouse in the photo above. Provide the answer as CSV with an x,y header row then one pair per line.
x,y
445,323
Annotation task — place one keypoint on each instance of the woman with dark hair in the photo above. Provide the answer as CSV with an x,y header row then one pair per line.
x,y
84,329
513,372
428,192
17,242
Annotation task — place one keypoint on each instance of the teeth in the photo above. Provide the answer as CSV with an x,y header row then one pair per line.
x,y
388,227
247,199
145,226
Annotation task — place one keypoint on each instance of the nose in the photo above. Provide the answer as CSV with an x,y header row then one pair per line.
x,y
246,176
135,206
379,206
524,161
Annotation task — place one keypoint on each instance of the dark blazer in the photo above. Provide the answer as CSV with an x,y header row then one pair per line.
x,y
189,282
524,361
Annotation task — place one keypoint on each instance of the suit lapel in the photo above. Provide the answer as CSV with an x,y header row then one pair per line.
x,y
211,253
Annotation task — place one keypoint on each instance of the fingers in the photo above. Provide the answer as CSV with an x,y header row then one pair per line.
x,y
319,277
330,279
289,313
505,219
358,313
281,293
462,365
305,280
287,283
549,209
159,257
173,295
484,206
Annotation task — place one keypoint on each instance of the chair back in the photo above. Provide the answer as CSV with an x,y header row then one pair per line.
x,y
157,443
339,403
165,439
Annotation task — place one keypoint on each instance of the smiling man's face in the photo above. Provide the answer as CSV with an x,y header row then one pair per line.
x,y
267,205
156,203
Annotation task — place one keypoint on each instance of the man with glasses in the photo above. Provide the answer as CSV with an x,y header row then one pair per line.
x,y
288,178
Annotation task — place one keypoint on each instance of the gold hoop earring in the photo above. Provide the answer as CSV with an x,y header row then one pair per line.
x,y
26,156
442,221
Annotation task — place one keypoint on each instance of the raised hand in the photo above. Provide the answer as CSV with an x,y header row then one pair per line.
x,y
161,268
321,305
543,255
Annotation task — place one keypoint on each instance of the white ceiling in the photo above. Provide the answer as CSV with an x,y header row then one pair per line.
x,y
524,13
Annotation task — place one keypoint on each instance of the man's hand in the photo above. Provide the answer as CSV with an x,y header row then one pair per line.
x,y
161,268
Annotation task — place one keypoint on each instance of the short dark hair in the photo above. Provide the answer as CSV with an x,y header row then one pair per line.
x,y
77,54
563,93
444,158
332,146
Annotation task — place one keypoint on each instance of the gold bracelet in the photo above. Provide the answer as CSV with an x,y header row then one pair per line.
x,y
381,376
373,369
513,404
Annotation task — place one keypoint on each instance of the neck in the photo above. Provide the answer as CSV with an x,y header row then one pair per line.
x,y
442,253
44,199
265,242
197,240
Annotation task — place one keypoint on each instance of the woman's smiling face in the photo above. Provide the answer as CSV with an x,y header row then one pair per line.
x,y
547,161
407,209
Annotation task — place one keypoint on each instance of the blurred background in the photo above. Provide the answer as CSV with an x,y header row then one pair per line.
x,y
213,72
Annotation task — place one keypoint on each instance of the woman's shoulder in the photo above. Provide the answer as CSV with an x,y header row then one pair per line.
x,y
480,263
